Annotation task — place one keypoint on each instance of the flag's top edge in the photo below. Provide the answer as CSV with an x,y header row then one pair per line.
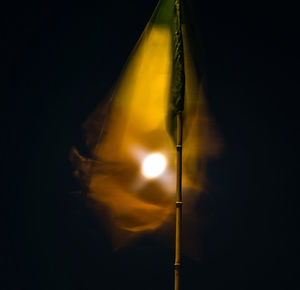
x,y
164,13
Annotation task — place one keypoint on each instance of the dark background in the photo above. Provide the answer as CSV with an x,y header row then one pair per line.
x,y
59,59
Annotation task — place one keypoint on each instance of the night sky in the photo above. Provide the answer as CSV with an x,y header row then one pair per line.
x,y
59,59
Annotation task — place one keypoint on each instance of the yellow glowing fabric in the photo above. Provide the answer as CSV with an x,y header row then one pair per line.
x,y
135,126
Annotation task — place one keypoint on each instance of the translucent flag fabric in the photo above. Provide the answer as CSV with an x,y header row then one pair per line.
x,y
133,124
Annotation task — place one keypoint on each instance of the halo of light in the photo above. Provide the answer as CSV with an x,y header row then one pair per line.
x,y
154,165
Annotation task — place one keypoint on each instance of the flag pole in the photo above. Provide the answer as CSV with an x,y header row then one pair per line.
x,y
177,265
179,84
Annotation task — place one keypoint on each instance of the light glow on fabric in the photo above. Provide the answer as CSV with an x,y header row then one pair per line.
x,y
154,165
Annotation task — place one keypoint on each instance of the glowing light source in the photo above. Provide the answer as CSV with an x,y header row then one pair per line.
x,y
154,165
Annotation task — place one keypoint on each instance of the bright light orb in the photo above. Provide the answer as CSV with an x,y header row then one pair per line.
x,y
154,165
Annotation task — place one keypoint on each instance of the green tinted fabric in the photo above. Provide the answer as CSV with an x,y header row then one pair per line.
x,y
164,13
168,12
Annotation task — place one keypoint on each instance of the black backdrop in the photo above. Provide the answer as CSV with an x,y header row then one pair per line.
x,y
59,59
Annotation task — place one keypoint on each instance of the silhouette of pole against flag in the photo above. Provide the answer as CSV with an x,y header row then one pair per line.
x,y
178,104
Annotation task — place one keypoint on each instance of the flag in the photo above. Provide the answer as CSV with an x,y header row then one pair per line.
x,y
137,122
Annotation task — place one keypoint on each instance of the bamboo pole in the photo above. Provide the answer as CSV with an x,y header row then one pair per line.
x,y
177,265
180,87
